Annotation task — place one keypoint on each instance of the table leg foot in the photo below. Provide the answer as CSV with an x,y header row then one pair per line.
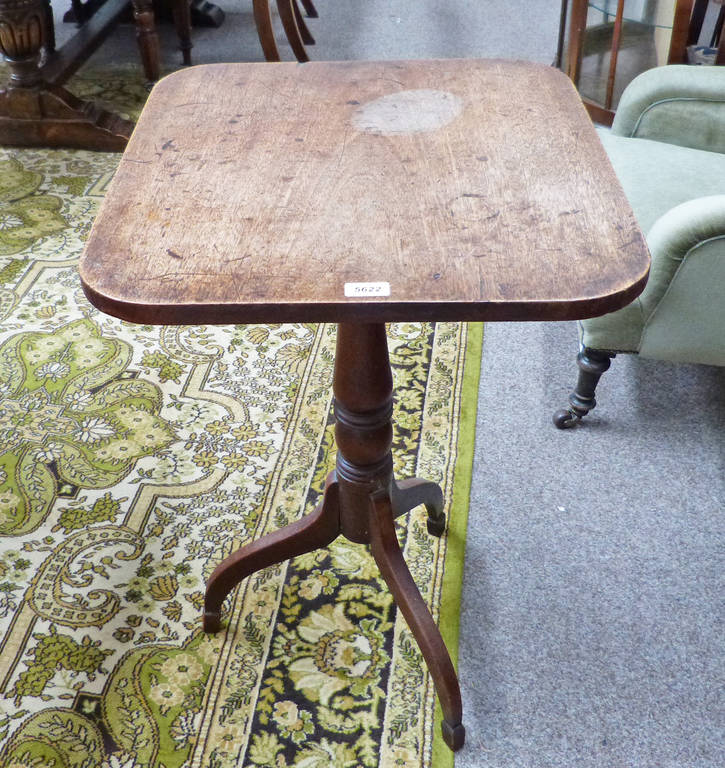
x,y
386,551
408,494
313,531
453,735
212,621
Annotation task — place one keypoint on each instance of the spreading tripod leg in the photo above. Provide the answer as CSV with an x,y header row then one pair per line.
x,y
408,494
313,531
386,551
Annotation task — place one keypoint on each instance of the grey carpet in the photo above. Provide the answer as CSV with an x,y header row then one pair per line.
x,y
369,29
592,626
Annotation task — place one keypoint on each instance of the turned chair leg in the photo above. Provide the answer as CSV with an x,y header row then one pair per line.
x,y
182,21
147,38
592,364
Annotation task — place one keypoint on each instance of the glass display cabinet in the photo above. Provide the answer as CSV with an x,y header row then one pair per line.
x,y
604,44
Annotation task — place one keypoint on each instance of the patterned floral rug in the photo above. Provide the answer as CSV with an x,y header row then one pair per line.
x,y
134,458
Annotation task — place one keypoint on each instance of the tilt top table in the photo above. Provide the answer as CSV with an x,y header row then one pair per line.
x,y
363,193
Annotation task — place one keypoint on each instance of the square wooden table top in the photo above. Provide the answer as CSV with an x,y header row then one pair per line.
x,y
364,191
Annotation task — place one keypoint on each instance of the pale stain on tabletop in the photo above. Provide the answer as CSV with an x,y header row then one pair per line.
x,y
418,111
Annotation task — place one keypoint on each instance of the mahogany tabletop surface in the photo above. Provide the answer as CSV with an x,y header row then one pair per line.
x,y
364,191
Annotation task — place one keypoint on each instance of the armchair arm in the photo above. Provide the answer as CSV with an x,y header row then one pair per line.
x,y
676,104
684,300
680,315
676,237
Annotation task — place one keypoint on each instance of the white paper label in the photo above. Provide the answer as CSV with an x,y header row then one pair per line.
x,y
358,290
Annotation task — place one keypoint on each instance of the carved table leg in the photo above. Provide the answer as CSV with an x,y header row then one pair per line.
x,y
361,501
35,113
370,498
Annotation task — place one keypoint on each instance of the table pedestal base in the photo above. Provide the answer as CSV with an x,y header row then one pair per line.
x,y
51,116
361,501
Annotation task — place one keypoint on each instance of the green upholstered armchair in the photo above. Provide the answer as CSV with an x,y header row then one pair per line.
x,y
667,146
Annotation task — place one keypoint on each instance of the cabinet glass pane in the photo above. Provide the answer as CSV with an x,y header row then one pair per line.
x,y
644,40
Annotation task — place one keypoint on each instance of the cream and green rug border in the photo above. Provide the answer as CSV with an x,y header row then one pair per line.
x,y
449,615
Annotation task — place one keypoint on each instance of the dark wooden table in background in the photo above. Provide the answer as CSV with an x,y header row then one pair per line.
x,y
363,193
35,108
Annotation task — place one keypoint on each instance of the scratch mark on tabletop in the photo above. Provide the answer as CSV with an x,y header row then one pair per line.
x,y
342,149
632,241
166,276
190,104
